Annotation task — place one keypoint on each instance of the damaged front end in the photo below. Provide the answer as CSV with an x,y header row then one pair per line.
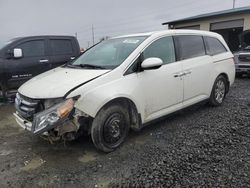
x,y
57,120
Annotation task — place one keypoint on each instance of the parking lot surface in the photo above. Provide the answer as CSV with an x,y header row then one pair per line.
x,y
201,146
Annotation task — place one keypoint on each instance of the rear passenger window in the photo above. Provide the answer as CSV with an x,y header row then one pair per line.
x,y
163,49
214,46
32,48
189,46
61,47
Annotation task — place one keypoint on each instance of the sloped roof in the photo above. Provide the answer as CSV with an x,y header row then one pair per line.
x,y
234,11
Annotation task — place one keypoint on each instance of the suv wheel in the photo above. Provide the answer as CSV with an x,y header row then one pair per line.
x,y
218,93
110,128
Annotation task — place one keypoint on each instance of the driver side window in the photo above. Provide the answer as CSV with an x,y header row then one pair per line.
x,y
32,48
162,48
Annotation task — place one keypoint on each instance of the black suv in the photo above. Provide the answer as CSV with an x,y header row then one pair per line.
x,y
23,58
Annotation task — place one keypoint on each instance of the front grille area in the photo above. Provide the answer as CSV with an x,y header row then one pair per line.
x,y
244,66
27,107
244,58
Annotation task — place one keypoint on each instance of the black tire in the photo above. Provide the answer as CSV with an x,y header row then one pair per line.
x,y
110,127
217,99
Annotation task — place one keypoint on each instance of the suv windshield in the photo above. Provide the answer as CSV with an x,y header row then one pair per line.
x,y
1,45
108,54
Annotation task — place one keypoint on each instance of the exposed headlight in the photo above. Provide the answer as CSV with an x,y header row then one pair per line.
x,y
52,117
51,102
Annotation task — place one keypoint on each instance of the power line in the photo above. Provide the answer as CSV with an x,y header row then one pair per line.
x,y
135,17
115,33
109,29
125,22
93,34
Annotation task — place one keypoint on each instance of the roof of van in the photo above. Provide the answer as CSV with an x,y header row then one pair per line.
x,y
172,31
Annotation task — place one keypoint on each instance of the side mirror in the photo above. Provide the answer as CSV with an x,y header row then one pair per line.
x,y
151,63
17,53
246,48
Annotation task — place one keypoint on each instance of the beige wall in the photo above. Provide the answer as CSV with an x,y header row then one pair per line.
x,y
205,24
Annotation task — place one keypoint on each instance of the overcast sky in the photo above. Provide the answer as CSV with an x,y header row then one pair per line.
x,y
109,17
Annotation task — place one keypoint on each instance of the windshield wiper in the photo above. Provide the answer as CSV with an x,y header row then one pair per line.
x,y
90,66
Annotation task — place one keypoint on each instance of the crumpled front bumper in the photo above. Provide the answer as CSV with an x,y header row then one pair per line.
x,y
66,126
25,124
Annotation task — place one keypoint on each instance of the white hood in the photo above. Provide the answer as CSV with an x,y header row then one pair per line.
x,y
57,82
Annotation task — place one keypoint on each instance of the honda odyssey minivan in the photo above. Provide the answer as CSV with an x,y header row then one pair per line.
x,y
123,83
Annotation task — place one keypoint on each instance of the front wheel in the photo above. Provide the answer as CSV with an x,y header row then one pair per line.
x,y
218,93
110,127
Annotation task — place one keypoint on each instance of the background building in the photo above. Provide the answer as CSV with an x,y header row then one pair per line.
x,y
229,23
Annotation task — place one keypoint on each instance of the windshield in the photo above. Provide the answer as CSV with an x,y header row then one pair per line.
x,y
108,54
3,44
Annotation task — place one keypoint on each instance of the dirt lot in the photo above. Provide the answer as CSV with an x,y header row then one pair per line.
x,y
199,147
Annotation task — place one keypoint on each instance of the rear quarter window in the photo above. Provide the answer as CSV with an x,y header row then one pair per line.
x,y
189,46
61,46
214,46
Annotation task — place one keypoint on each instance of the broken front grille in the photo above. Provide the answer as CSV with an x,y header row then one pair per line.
x,y
27,107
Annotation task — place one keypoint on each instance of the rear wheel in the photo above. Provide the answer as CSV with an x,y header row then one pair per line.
x,y
110,127
219,90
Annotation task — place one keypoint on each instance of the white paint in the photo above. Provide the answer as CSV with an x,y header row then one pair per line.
x,y
154,92
57,82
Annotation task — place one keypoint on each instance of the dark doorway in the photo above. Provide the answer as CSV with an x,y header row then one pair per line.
x,y
245,39
231,37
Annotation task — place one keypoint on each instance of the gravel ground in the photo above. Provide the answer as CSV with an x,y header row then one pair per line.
x,y
201,146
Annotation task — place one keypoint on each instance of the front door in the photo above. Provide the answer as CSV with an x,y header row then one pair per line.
x,y
162,89
33,62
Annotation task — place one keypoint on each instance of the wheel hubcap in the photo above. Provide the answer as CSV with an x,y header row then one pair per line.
x,y
113,129
220,91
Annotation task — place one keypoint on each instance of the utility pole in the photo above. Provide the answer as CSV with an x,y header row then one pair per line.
x,y
93,34
76,34
234,3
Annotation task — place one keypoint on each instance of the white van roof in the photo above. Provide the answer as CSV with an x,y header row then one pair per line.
x,y
173,31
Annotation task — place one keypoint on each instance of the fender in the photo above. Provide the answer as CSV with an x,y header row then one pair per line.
x,y
74,88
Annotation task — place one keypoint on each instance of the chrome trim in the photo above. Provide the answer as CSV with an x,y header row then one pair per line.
x,y
27,109
29,103
43,60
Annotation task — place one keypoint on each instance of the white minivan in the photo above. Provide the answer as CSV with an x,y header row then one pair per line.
x,y
123,83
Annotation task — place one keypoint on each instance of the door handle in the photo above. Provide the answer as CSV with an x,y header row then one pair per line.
x,y
179,75
176,75
188,72
43,60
